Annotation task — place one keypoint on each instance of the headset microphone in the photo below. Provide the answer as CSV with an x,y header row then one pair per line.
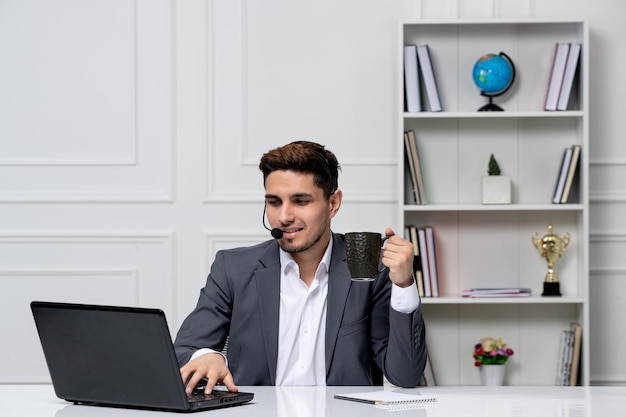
x,y
275,232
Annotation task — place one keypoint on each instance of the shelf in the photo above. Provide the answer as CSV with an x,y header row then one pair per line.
x,y
533,299
494,115
493,207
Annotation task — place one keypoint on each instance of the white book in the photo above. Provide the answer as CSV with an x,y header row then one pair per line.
x,y
571,172
556,77
560,184
432,260
421,236
411,163
418,167
577,330
428,77
568,77
411,80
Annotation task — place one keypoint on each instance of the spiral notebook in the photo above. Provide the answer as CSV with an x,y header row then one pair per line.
x,y
390,400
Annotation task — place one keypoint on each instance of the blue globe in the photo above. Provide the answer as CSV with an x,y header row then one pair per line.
x,y
493,74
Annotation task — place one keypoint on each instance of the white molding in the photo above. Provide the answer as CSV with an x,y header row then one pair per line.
x,y
608,380
41,272
606,272
607,237
133,144
129,273
136,196
232,238
73,162
166,238
607,197
607,161
87,236
163,159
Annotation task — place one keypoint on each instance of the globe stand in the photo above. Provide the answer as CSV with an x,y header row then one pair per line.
x,y
490,106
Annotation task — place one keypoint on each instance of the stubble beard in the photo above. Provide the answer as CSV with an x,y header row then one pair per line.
x,y
287,247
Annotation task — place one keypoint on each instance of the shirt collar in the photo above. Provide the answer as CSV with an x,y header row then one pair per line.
x,y
287,262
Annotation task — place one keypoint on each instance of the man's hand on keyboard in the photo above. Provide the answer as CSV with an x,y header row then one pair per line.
x,y
211,366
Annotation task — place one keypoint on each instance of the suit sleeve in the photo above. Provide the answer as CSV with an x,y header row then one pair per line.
x,y
208,324
403,358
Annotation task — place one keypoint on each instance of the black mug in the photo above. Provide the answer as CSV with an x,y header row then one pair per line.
x,y
363,254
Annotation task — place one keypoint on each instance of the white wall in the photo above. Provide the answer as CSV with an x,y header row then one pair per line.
x,y
130,133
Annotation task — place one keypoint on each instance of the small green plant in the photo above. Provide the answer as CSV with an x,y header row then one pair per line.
x,y
494,168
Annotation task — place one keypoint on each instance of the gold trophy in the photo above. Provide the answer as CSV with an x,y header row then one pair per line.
x,y
551,247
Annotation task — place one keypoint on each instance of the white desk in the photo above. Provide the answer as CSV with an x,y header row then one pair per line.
x,y
40,401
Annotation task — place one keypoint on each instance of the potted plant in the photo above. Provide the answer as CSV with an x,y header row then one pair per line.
x,y
496,188
490,356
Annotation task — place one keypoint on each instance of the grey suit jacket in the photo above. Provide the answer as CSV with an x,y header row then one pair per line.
x,y
241,301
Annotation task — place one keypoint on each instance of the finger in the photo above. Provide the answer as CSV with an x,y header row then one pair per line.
x,y
193,381
398,248
184,374
211,382
230,383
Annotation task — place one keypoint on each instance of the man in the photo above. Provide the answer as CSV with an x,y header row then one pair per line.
x,y
288,307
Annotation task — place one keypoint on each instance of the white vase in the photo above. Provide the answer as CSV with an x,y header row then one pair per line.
x,y
492,375
496,189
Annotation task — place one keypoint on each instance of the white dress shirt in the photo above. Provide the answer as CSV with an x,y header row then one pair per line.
x,y
302,323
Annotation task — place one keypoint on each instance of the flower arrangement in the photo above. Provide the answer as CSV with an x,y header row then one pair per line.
x,y
491,352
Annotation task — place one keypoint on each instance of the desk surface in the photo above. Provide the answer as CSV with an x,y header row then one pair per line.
x,y
40,401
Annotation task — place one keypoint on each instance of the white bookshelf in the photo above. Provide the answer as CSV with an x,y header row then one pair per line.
x,y
490,245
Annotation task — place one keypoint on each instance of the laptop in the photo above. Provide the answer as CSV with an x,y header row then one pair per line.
x,y
118,356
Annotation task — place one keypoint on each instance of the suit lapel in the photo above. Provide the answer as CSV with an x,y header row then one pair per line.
x,y
338,288
267,279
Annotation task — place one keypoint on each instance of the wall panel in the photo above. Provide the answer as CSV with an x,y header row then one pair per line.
x,y
87,117
100,267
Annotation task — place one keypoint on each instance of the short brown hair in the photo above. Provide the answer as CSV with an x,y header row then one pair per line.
x,y
304,157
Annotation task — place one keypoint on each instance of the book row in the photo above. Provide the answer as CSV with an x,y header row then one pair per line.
x,y
414,167
424,259
564,71
569,356
419,76
567,175
420,79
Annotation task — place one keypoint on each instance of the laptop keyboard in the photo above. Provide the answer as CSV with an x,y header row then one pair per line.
x,y
201,396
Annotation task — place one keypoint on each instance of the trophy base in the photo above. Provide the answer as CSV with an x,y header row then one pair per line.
x,y
551,289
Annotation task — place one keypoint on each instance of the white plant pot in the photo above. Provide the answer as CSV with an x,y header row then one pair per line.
x,y
492,375
496,189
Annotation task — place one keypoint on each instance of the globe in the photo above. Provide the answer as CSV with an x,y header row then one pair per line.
x,y
493,74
